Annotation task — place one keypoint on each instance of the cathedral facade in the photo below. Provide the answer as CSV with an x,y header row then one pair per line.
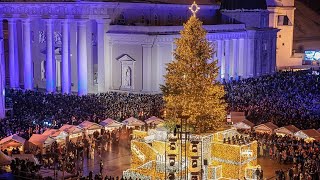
x,y
89,46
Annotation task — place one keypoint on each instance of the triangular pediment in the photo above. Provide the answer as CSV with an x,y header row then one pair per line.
x,y
125,57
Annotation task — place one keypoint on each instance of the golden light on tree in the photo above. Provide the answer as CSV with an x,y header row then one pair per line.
x,y
190,87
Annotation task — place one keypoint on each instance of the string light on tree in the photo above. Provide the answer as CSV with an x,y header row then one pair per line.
x,y
190,87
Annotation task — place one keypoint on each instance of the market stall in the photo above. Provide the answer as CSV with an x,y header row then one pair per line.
x,y
286,130
268,127
110,124
245,124
90,127
13,141
153,120
58,135
41,141
133,123
73,131
308,135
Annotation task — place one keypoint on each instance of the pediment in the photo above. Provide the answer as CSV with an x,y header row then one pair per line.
x,y
125,57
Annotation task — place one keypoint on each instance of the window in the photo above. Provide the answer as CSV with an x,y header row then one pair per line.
x,y
121,19
156,20
283,20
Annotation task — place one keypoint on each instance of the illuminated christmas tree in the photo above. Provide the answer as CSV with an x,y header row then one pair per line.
x,y
190,86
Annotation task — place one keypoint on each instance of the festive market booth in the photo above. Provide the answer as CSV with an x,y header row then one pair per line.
x,y
153,120
13,141
245,124
90,127
110,124
74,132
308,135
157,155
41,141
268,127
133,123
58,135
286,130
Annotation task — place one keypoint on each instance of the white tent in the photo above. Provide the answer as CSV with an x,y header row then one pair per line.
x,y
245,124
71,130
4,159
110,124
133,122
308,135
13,141
286,130
41,141
90,127
154,120
268,127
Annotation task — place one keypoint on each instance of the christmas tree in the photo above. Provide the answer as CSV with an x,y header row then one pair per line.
x,y
191,89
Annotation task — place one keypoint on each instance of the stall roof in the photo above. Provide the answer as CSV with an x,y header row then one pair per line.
x,y
70,129
110,123
154,119
133,122
14,137
89,125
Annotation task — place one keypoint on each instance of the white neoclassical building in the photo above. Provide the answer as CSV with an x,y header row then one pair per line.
x,y
92,46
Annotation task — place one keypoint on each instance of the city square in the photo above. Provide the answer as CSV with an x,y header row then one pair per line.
x,y
152,90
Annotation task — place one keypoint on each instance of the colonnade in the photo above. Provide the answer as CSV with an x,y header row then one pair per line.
x,y
234,58
50,68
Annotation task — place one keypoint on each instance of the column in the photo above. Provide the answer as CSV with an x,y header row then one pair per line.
x,y
219,51
13,54
235,60
50,59
258,52
2,74
27,61
66,65
146,67
101,55
108,64
227,59
250,55
242,53
82,58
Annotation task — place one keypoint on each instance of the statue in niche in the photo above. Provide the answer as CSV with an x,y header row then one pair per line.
x,y
42,37
57,38
127,77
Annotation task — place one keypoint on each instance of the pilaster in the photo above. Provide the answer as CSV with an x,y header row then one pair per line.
x,y
146,67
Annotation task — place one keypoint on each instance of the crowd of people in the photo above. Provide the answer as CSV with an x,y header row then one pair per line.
x,y
283,98
304,156
37,109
